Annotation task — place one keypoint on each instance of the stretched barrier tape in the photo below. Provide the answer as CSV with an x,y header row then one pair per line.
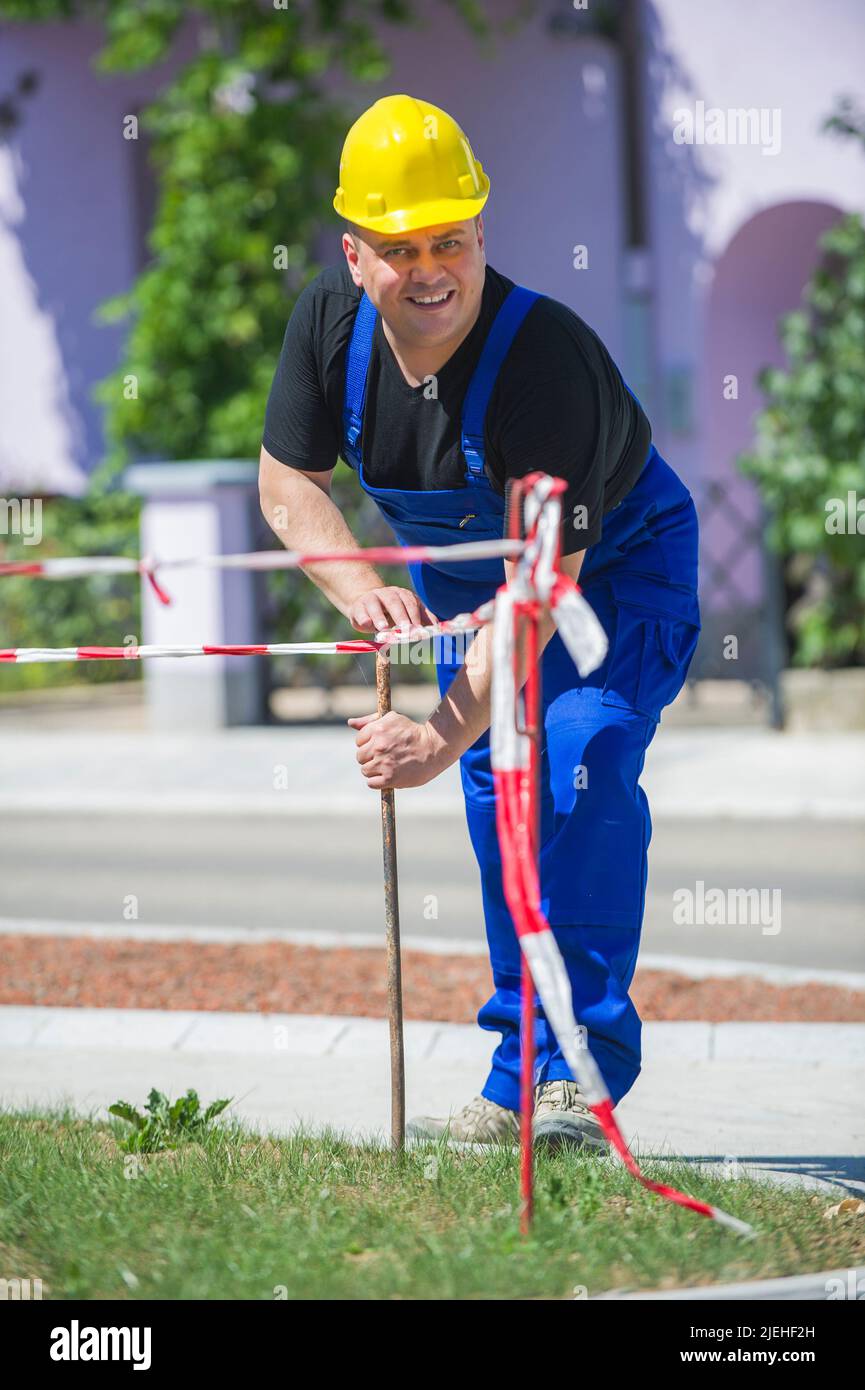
x,y
85,566
23,655
387,637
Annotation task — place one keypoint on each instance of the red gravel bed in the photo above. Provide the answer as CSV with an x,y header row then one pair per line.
x,y
276,977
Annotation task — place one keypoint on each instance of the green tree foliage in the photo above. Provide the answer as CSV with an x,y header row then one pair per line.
x,y
809,458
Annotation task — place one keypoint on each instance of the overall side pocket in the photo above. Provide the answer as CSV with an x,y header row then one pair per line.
x,y
649,658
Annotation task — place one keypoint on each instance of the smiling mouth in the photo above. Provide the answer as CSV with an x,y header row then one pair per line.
x,y
431,302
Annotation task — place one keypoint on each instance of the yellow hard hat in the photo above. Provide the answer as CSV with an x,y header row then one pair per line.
x,y
407,164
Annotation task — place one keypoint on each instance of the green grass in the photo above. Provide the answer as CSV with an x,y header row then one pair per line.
x,y
236,1217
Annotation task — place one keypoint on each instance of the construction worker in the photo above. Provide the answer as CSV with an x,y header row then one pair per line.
x,y
438,380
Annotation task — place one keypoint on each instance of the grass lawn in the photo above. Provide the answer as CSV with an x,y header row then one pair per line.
x,y
239,1217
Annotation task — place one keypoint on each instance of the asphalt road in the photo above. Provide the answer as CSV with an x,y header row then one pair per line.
x,y
324,873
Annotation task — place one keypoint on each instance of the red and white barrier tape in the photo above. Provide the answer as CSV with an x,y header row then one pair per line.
x,y
387,637
22,655
516,811
85,566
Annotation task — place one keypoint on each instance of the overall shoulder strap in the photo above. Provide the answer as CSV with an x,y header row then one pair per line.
x,y
357,363
495,349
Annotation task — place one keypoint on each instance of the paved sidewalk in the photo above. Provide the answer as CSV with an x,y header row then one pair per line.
x,y
779,1098
744,772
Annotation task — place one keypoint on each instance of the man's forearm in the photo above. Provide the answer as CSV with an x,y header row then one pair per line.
x,y
464,713
305,518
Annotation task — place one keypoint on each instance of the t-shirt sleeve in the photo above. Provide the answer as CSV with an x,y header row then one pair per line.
x,y
298,429
550,423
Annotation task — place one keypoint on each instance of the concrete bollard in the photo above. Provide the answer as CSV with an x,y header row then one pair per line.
x,y
201,508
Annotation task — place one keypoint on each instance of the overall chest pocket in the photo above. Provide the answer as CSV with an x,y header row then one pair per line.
x,y
459,527
464,523
473,524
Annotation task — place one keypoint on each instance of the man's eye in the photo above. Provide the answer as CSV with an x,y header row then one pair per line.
x,y
400,250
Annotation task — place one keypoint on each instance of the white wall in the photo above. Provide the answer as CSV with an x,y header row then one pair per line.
x,y
68,240
787,55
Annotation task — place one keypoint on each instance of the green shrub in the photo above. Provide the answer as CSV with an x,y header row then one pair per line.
x,y
73,612
809,458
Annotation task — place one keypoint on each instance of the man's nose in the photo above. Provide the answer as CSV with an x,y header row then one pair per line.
x,y
425,268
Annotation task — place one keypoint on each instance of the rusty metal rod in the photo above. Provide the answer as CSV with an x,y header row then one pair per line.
x,y
391,920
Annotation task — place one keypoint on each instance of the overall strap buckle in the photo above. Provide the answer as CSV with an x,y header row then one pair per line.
x,y
473,452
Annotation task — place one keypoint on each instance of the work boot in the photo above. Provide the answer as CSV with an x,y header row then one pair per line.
x,y
563,1119
479,1122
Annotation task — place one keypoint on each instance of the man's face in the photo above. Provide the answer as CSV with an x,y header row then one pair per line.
x,y
399,271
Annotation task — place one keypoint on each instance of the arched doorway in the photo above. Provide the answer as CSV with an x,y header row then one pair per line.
x,y
757,279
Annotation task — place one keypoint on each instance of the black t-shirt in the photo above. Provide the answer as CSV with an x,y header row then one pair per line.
x,y
559,405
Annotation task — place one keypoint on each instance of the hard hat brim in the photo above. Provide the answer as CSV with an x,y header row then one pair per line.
x,y
434,214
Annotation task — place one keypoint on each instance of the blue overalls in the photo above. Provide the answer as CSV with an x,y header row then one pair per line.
x,y
641,579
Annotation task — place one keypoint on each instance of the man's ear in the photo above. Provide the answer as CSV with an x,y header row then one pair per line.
x,y
351,245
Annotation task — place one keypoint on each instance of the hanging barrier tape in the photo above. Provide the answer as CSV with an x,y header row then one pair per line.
x,y
538,585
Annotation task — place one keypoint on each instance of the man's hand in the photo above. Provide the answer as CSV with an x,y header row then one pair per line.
x,y
394,751
389,607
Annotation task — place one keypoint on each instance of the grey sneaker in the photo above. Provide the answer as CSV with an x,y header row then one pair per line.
x,y
563,1119
479,1122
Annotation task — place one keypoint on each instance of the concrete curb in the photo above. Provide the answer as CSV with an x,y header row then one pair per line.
x,y
321,1035
832,1285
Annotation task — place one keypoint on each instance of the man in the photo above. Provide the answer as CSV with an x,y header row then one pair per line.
x,y
438,381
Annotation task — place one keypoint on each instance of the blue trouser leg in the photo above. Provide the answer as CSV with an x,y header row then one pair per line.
x,y
600,962
593,878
